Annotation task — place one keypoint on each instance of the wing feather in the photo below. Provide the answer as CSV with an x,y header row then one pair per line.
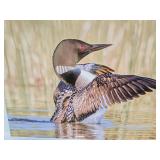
x,y
107,89
96,69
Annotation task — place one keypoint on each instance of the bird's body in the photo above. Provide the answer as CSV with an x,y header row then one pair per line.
x,y
85,90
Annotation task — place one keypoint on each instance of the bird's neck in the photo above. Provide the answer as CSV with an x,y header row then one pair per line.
x,y
64,61
65,68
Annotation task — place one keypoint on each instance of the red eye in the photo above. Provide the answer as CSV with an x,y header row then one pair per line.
x,y
82,48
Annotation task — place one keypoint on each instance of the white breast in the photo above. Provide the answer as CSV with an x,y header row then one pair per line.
x,y
84,79
96,117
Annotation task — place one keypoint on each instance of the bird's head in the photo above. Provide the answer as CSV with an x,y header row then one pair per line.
x,y
71,51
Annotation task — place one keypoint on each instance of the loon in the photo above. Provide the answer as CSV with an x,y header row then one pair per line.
x,y
86,90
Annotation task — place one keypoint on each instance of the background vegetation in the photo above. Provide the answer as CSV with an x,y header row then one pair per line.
x,y
30,79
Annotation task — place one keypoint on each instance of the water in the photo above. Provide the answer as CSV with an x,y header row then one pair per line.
x,y
39,127
35,127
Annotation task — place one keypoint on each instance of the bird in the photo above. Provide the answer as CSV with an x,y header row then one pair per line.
x,y
86,90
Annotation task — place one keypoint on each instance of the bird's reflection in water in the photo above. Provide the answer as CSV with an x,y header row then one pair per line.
x,y
81,130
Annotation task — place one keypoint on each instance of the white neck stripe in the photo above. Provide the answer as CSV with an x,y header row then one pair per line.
x,y
63,69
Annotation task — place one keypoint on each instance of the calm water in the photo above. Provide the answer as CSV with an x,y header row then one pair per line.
x,y
39,127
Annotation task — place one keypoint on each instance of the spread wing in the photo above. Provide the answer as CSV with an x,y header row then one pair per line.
x,y
96,69
108,89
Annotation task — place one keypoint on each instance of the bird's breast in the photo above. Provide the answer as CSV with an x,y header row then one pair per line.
x,y
96,117
84,79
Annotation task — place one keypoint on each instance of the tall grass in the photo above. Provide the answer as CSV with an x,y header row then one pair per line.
x,y
29,77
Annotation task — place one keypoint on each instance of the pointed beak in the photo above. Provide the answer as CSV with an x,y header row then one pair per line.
x,y
92,48
96,47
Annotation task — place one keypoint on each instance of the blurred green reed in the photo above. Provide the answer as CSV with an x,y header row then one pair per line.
x,y
30,79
